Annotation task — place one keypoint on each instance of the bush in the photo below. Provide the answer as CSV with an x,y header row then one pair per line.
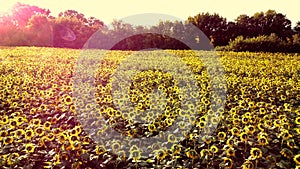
x,y
271,43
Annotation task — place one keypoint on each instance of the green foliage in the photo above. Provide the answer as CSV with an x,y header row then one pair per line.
x,y
271,43
213,25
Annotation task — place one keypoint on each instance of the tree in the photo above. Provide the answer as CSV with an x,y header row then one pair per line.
x,y
21,13
72,29
297,27
67,32
39,30
94,22
73,14
244,26
276,23
13,29
213,26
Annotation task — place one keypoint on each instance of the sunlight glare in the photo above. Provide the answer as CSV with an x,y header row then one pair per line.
x,y
6,6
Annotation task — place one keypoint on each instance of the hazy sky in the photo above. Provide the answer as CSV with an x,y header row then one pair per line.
x,y
118,9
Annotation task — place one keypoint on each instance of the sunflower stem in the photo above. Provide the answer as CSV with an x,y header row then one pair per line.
x,y
256,162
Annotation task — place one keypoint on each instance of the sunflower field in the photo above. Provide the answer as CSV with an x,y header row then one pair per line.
x,y
41,123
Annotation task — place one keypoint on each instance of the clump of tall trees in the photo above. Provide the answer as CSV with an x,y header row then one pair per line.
x,y
33,26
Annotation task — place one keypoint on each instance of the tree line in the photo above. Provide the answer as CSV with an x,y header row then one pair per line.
x,y
28,25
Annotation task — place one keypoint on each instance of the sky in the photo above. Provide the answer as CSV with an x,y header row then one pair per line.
x,y
108,10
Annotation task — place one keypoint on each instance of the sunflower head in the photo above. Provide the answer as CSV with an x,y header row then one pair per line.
x,y
191,153
230,152
256,153
29,148
214,149
100,150
248,165
286,153
221,136
226,163
297,159
244,137
161,154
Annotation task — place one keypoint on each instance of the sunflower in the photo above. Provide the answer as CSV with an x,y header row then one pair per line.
x,y
268,123
57,159
29,148
291,143
221,136
3,134
73,138
43,107
21,120
255,153
204,153
62,137
297,159
297,130
245,120
67,100
122,155
201,124
262,141
172,138
8,140
152,127
135,155
285,126
100,150
50,136
250,129
176,148
244,137
297,120
29,134
248,165
227,163
261,127
160,154
277,123
39,131
73,132
75,145
32,111
230,152
234,131
230,142
13,123
5,120
262,111
116,146
13,158
191,153
19,133
214,149
193,136
47,125
286,153
284,134
36,122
